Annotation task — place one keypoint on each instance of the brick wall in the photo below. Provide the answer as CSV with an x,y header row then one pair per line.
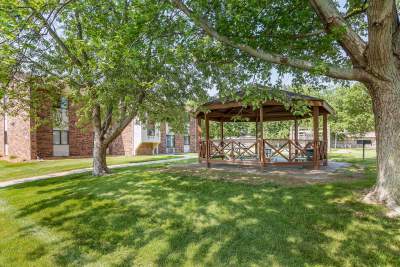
x,y
42,135
145,149
179,143
34,154
19,137
43,141
1,136
162,149
123,145
27,144
80,136
116,147
179,138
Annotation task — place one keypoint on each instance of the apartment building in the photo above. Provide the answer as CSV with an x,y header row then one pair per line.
x,y
140,138
21,138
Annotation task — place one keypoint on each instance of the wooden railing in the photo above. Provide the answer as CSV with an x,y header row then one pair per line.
x,y
283,150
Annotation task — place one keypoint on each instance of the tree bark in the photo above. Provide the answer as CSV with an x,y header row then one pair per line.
x,y
99,145
99,156
386,106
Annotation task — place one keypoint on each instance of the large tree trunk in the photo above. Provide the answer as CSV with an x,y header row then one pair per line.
x,y
386,106
99,146
99,156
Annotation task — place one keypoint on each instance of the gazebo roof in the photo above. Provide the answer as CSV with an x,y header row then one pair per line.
x,y
231,110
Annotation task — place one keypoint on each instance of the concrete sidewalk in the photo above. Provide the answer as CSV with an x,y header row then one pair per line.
x,y
60,174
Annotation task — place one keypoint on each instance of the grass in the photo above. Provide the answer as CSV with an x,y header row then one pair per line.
x,y
147,216
10,170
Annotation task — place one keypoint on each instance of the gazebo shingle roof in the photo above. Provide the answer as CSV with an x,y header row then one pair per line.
x,y
231,110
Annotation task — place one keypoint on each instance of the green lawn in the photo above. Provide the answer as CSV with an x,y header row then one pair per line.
x,y
148,216
9,170
353,155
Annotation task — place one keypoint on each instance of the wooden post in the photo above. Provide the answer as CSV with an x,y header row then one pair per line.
x,y
325,137
199,144
262,152
316,136
221,125
296,135
207,140
256,146
221,128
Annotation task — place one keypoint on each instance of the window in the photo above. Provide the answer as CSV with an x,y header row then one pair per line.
x,y
151,129
186,140
60,137
63,104
170,141
151,132
60,116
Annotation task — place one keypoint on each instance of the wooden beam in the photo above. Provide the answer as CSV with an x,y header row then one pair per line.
x,y
296,135
328,108
316,136
249,112
207,140
256,148
221,126
325,137
213,106
262,152
199,137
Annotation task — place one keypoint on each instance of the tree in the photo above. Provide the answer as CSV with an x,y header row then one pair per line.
x,y
353,110
118,59
358,41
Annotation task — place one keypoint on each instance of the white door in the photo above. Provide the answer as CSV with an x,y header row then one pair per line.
x,y
186,148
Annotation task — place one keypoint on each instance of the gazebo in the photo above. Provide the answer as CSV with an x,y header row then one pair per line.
x,y
261,151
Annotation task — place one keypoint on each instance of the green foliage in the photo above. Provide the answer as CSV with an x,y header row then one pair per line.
x,y
352,105
353,110
272,129
286,27
125,56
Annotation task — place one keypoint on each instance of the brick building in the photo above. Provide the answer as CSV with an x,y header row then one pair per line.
x,y
20,138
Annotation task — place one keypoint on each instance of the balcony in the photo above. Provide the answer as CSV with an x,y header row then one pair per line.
x,y
151,136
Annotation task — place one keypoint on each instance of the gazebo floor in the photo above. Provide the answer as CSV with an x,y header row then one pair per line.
x,y
288,175
256,162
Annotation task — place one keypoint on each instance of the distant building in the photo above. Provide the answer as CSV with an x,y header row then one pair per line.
x,y
20,138
350,140
338,141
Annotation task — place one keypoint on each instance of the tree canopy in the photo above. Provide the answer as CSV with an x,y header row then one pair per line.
x,y
347,40
117,59
353,110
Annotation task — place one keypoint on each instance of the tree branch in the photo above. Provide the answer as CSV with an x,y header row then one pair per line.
x,y
330,71
80,34
350,41
96,116
51,73
107,121
349,15
57,39
124,121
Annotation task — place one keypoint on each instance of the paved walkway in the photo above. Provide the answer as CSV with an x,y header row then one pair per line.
x,y
59,174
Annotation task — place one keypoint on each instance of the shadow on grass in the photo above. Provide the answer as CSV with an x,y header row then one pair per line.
x,y
163,219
